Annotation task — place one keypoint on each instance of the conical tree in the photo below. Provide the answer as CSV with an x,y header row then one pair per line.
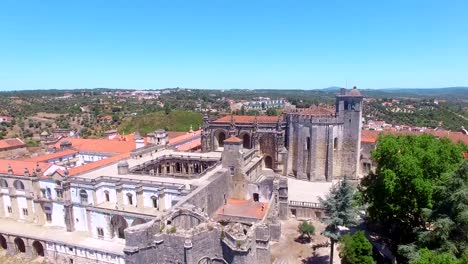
x,y
340,209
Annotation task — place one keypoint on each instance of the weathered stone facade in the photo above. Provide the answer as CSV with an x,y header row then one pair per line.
x,y
314,144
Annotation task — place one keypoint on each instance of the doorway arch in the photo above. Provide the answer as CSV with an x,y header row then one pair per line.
x,y
220,136
268,162
118,224
3,242
20,246
246,142
38,248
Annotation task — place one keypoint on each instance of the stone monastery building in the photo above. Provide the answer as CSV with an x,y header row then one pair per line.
x,y
209,196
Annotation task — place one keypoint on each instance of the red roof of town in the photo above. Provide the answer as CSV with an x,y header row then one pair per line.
x,y
184,137
194,144
55,155
370,136
11,143
247,119
18,166
97,164
101,145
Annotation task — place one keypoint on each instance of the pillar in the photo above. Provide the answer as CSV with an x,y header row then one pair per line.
x,y
188,251
329,170
119,189
139,198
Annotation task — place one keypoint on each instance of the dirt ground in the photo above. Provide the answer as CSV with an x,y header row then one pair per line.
x,y
18,259
290,249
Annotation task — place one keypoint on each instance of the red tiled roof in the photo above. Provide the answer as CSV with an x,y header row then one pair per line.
x,y
18,166
190,145
11,143
97,164
55,155
370,136
101,145
233,139
174,134
248,119
184,137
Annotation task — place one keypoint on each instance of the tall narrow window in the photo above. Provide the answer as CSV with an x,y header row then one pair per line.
x,y
335,143
84,196
155,201
106,194
130,198
308,143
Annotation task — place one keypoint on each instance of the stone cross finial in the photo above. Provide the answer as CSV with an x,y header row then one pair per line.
x,y
10,170
26,172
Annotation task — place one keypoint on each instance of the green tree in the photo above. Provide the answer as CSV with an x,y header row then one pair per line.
x,y
425,256
356,249
340,207
271,112
402,188
306,229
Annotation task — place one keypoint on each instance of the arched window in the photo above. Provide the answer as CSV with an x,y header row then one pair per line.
x,y
155,202
130,198
18,185
3,183
106,194
84,196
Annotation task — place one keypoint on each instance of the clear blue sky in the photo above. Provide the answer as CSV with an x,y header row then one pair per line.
x,y
232,44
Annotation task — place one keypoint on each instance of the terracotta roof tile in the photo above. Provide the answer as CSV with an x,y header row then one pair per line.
x,y
248,119
55,155
101,145
233,139
11,143
97,164
18,166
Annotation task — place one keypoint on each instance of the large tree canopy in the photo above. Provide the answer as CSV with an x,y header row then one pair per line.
x,y
402,188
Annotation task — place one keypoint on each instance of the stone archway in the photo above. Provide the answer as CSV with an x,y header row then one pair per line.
x,y
268,162
138,221
220,136
246,141
3,242
38,248
20,246
118,224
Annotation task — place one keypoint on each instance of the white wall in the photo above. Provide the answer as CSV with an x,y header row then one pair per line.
x,y
80,219
6,203
101,197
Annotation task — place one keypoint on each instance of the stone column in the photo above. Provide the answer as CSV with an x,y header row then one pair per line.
x,y
329,168
300,153
291,152
119,190
188,251
313,153
139,198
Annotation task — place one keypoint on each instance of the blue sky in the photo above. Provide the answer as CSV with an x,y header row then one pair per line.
x,y
232,44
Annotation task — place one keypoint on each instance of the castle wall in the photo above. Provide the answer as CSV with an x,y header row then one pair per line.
x,y
212,196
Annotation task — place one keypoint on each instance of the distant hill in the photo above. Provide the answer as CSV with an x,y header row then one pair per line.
x,y
448,93
174,121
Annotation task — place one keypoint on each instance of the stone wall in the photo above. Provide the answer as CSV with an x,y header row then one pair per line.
x,y
212,195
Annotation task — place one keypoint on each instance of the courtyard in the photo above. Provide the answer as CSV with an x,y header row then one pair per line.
x,y
291,249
